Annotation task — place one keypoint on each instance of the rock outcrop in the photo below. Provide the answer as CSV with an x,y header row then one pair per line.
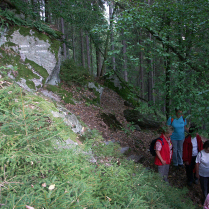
x,y
32,58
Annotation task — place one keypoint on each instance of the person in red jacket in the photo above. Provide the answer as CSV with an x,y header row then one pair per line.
x,y
192,145
163,149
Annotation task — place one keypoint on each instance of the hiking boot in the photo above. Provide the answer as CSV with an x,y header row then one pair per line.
x,y
189,183
181,166
196,181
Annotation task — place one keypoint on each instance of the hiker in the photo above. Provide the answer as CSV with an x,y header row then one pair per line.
x,y
163,149
177,138
192,145
206,203
202,169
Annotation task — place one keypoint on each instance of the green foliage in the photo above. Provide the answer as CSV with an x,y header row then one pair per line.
x,y
129,129
8,17
72,73
6,97
37,173
166,39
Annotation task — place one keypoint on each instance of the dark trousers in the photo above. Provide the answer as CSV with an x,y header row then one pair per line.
x,y
189,170
204,183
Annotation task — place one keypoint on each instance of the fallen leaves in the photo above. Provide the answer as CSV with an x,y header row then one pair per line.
x,y
51,187
29,207
43,185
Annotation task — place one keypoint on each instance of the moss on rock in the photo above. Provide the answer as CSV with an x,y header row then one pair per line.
x,y
39,69
30,84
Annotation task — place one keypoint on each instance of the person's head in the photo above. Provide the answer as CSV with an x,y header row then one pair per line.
x,y
178,112
206,146
193,129
167,130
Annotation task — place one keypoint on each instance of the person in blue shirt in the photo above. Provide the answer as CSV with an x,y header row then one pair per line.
x,y
178,136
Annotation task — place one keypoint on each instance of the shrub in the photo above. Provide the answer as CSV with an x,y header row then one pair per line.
x,y
72,73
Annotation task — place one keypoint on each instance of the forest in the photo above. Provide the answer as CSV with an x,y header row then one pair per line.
x,y
157,49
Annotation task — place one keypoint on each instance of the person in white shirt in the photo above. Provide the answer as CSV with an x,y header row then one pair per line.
x,y
202,169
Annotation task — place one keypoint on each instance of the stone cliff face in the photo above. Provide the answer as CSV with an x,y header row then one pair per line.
x,y
32,57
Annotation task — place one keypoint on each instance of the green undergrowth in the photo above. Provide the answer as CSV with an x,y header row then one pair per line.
x,y
36,173
72,73
65,95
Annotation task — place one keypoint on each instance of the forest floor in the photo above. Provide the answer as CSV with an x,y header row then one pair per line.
x,y
112,103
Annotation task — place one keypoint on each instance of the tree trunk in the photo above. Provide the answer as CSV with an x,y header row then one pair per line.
x,y
88,53
47,14
150,77
67,32
141,71
153,83
105,54
168,84
106,45
36,10
168,75
63,37
82,48
124,59
112,34
150,73
98,60
91,53
125,62
73,44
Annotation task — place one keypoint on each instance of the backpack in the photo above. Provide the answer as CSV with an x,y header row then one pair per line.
x,y
152,146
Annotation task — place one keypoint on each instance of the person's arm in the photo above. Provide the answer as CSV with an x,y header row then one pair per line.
x,y
186,129
185,126
197,161
169,121
197,170
160,157
185,152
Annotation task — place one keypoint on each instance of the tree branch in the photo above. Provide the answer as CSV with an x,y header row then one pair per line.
x,y
175,51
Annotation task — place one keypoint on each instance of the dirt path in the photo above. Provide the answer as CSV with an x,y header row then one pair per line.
x,y
138,141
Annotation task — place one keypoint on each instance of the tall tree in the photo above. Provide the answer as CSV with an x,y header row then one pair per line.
x,y
88,53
